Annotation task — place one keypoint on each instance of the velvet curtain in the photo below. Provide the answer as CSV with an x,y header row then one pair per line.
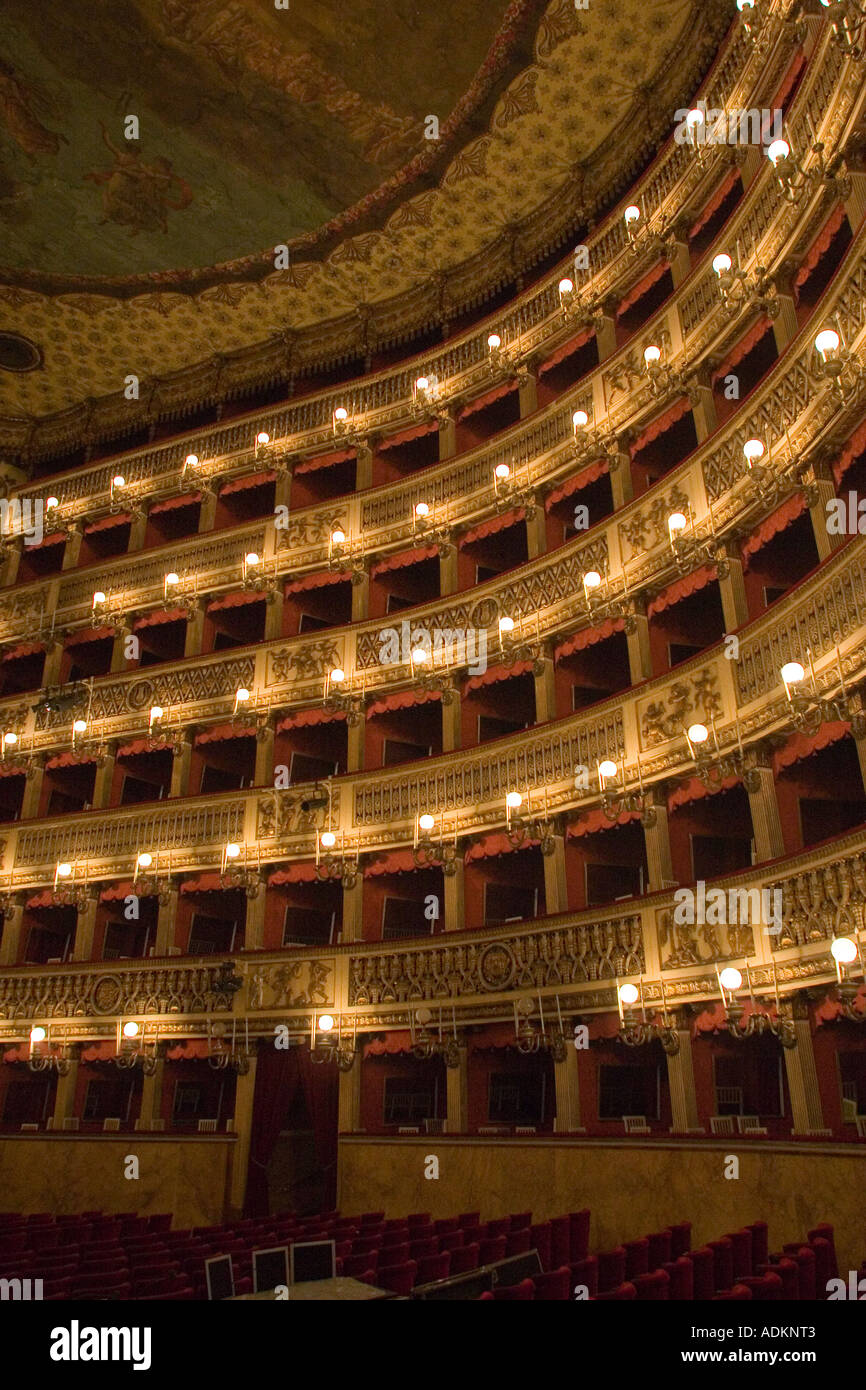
x,y
279,1073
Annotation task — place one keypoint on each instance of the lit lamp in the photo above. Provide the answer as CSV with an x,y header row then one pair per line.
x,y
836,364
696,736
118,485
242,697
230,853
8,741
753,450
99,601
792,673
844,952
170,582
607,771
263,439
513,802
62,871
579,420
143,861
494,342
190,462
156,713
591,582
695,125
79,727
632,217
251,562
677,523
341,420
51,505
566,292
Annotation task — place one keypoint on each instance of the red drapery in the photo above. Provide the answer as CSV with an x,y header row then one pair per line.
x,y
406,557
493,1036
118,891
23,649
312,465
404,699
787,84
588,636
715,202
641,288
250,480
8,771
192,1050
99,1051
162,615
819,246
491,526
743,347
220,732
712,1016
89,634
69,760
108,523
773,525
203,883
580,480
855,447
306,717
142,745
493,674
595,820
494,844
43,899
661,425
801,746
175,504
682,588
316,581
236,600
567,349
294,873
472,407
415,432
694,790
54,539
396,861
391,1045
279,1074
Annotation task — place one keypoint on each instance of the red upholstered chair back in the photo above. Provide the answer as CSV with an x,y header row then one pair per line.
x,y
500,1227
611,1269
560,1241
419,1218
469,1218
520,1221
422,1249
636,1258
372,1218
433,1267
554,1287
760,1242
741,1242
653,1286
723,1263
586,1272
681,1239
789,1273
523,1292
765,1288
489,1251
682,1276
398,1235
659,1250
823,1253
393,1254
824,1231
622,1293
540,1239
738,1293
579,1227
518,1242
805,1258
399,1278
485,1297
354,1266
454,1240
445,1224
703,1265
464,1259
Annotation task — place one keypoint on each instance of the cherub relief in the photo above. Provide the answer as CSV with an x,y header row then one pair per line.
x,y
136,194
26,130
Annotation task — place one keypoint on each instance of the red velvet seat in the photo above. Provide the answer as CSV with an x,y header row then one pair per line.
x,y
723,1263
469,1218
789,1273
419,1218
393,1255
464,1259
764,1288
760,1242
659,1253
398,1236
433,1267
741,1243
611,1268
485,1297
521,1220
622,1293
422,1249
652,1287
523,1292
445,1225
491,1250
636,1258
824,1231
554,1287
453,1240
805,1260
560,1241
399,1278
500,1227
472,1235
578,1223
823,1253
372,1218
738,1293
681,1239
703,1266
586,1272
356,1265
400,1227
540,1240
367,1247
681,1273
518,1242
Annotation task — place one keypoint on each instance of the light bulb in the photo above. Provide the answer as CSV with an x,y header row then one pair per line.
x,y
422,509
172,578
779,149
513,800
730,978
144,860
263,437
420,656
632,214
426,822
580,419
792,673
843,950
341,413
592,579
98,597
10,738
338,675
628,994
827,343
651,354
698,733
130,1029
64,870
51,502
494,341
338,537
191,460
37,1034
252,558
232,850
156,712
242,695
694,118
566,286
118,480
502,470
328,839
750,4
722,263
506,624
422,384
677,521
80,726
325,1024
753,450
607,769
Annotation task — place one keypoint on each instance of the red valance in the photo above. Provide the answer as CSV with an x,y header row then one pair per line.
x,y
237,600
220,732
819,246
588,636
661,425
43,899
116,892
103,1051
193,1050
108,523
88,634
743,347
580,480
9,770
303,718
415,432
69,760
175,504
495,1036
682,588
642,287
203,883
138,746
491,526
829,1009
712,1016
396,861
789,80
294,873
801,746
566,350
20,1052
312,465
494,844
319,580
591,822
403,699
404,558
694,790
159,616
715,202
249,480
773,525
23,649
55,538
494,674
854,449
390,1045
472,407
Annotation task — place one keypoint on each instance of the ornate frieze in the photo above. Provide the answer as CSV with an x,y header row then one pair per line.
x,y
120,992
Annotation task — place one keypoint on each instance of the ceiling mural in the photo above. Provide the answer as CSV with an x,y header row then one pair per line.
x,y
260,126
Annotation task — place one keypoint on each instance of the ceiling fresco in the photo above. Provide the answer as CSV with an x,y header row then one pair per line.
x,y
244,141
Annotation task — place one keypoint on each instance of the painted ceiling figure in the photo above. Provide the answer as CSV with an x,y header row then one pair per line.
x,y
16,114
136,194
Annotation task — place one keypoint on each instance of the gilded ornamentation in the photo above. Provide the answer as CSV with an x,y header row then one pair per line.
x,y
667,717
293,985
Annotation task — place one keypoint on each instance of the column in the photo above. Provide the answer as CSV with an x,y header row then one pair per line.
x,y
264,773
638,643
457,1093
11,562
166,917
681,1079
361,596
447,436
33,788
680,263
118,650
605,336
274,613
658,842
207,509
349,1104
448,579
53,660
72,548
364,467
766,822
785,326
822,486
703,405
528,393
195,629
243,1120
151,1091
357,736
64,1096
180,766
732,590
86,927
567,1083
137,530
621,481
545,689
11,943
353,910
452,723
283,486
104,779
454,910
555,889
254,932
536,530
806,1109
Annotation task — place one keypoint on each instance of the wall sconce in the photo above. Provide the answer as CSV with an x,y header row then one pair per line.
x,y
327,1044
797,182
504,356
434,853
770,482
425,394
425,1044
509,491
156,713
518,643
335,862
9,740
117,493
346,556
523,826
242,698
337,695
691,549
634,1031
587,441
848,31
643,238
99,603
133,1048
696,129
730,981
42,1056
262,444
836,366
231,1057
601,605
79,728
738,288
810,707
616,803
530,1040
171,581
426,527
663,379
844,952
